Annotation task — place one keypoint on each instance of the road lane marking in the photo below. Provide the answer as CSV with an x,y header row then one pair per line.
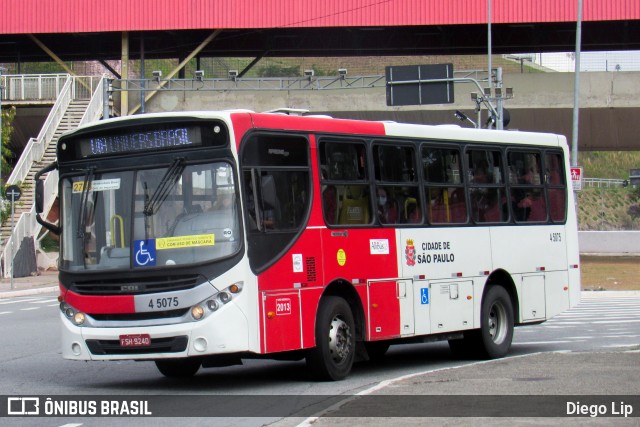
x,y
545,342
17,300
45,301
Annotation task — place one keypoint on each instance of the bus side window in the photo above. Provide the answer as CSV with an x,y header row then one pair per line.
x,y
527,187
487,195
269,202
446,200
556,187
345,195
397,188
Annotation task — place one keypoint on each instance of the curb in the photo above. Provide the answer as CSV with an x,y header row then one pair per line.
x,y
27,292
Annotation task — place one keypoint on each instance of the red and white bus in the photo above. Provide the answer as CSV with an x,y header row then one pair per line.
x,y
202,238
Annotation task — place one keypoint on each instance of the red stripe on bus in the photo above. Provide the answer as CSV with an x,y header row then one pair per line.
x,y
101,304
307,123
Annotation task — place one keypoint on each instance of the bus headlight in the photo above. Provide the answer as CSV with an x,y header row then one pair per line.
x,y
79,318
197,312
216,301
76,317
224,297
212,305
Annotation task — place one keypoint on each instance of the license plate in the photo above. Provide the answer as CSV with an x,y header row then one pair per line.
x,y
140,340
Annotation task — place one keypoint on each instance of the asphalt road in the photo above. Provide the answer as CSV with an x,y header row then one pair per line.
x,y
593,349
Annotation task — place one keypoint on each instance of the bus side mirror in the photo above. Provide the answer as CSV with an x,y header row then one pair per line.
x,y
39,202
39,196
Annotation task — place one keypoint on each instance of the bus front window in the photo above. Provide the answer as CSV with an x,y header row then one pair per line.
x,y
180,215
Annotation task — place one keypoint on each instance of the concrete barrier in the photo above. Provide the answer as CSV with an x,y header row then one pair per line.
x,y
609,242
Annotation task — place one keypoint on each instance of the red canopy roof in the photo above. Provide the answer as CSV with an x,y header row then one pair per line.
x,y
80,16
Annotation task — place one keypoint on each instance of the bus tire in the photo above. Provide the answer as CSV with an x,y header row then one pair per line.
x,y
179,368
496,324
332,357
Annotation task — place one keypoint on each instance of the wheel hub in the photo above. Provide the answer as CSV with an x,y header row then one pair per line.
x,y
339,339
497,323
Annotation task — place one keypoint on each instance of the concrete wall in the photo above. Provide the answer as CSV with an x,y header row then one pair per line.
x,y
543,102
609,242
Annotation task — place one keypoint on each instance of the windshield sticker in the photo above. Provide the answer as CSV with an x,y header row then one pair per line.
x,y
185,241
98,185
228,234
145,253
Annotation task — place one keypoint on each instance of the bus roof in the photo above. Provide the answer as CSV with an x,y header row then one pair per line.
x,y
315,123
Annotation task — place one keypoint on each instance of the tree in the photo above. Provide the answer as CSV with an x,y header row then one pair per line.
x,y
8,114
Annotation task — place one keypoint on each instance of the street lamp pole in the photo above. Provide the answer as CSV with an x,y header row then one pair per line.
x,y
576,88
1,142
489,41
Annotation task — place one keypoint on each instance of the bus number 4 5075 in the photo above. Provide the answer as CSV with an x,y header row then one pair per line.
x,y
161,303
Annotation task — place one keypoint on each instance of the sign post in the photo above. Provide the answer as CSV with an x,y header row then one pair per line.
x,y
14,193
576,178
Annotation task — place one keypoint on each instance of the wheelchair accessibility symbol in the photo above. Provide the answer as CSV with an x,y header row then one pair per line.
x,y
145,253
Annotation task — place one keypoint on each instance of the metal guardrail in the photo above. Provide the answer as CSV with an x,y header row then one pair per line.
x,y
45,87
253,84
36,147
339,82
32,87
94,109
603,183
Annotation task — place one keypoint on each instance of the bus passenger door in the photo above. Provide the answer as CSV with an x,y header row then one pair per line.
x,y
405,298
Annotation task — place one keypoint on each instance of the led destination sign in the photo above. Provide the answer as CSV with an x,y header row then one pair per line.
x,y
117,138
140,141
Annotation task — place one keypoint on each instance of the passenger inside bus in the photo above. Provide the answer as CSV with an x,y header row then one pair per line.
x,y
447,206
522,205
412,213
354,207
387,208
330,203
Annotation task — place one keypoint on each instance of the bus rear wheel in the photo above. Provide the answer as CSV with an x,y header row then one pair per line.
x,y
333,355
493,339
496,318
179,368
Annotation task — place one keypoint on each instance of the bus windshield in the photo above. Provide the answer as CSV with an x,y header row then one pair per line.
x,y
172,215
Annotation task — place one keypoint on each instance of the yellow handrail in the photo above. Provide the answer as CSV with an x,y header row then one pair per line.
x,y
113,230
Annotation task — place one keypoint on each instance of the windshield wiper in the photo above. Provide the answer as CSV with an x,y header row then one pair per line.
x,y
169,179
84,198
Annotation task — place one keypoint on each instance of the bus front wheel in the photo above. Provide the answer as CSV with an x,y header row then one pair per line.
x,y
179,368
332,357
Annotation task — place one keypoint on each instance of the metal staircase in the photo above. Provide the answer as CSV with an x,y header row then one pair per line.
x,y
68,113
70,120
